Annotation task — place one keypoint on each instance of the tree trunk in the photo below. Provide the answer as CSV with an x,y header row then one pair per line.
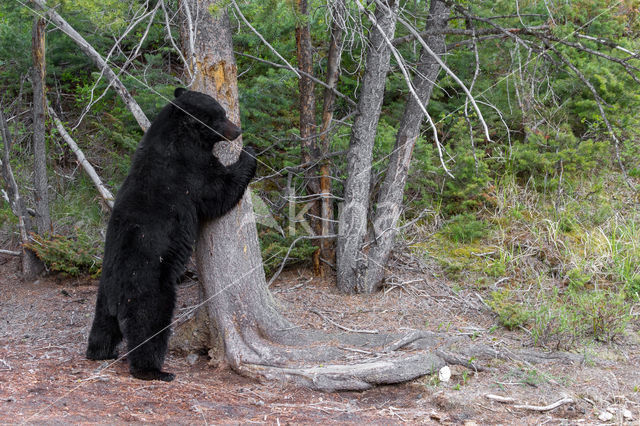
x,y
31,265
327,251
389,203
43,220
227,252
351,256
308,140
88,50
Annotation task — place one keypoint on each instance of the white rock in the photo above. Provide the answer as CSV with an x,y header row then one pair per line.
x,y
627,414
605,416
444,374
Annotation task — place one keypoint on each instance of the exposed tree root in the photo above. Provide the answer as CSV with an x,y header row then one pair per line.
x,y
338,362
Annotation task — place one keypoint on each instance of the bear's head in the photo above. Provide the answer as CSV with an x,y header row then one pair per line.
x,y
204,113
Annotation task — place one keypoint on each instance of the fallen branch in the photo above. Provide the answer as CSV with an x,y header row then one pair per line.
x,y
10,252
106,195
545,407
97,59
499,398
509,400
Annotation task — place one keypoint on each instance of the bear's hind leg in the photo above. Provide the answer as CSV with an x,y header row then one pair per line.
x,y
146,330
105,333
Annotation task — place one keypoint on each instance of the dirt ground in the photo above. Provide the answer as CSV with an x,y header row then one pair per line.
x,y
44,377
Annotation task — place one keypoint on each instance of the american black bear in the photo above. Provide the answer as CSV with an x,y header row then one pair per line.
x,y
175,182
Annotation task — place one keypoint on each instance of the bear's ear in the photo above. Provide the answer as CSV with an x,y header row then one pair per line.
x,y
179,91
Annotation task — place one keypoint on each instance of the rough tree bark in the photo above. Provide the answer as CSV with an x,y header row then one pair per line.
x,y
352,253
389,203
308,140
334,56
31,265
39,105
97,59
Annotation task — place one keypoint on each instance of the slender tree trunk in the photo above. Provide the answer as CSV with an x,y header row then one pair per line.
x,y
389,204
43,220
351,256
327,251
308,140
97,59
31,265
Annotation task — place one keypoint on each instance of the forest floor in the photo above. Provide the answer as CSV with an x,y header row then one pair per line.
x,y
44,377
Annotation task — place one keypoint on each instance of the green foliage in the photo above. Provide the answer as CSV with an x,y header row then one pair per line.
x,y
465,228
274,248
72,256
546,158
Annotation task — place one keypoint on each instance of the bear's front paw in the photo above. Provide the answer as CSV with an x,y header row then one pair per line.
x,y
249,151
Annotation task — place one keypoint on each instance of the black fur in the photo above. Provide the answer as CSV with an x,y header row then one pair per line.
x,y
174,183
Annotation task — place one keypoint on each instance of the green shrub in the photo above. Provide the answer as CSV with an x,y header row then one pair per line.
x,y
70,256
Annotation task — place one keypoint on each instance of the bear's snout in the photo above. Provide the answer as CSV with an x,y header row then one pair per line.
x,y
231,131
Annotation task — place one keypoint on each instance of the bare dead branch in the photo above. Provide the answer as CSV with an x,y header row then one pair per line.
x,y
608,43
467,32
136,20
578,46
545,407
106,195
13,196
10,252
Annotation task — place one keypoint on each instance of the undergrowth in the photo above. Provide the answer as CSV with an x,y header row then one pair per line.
x,y
72,256
561,265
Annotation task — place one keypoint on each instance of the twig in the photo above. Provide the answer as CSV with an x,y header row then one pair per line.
x,y
341,327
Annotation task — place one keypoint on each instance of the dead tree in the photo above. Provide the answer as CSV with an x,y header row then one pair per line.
x,y
39,106
31,265
351,259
